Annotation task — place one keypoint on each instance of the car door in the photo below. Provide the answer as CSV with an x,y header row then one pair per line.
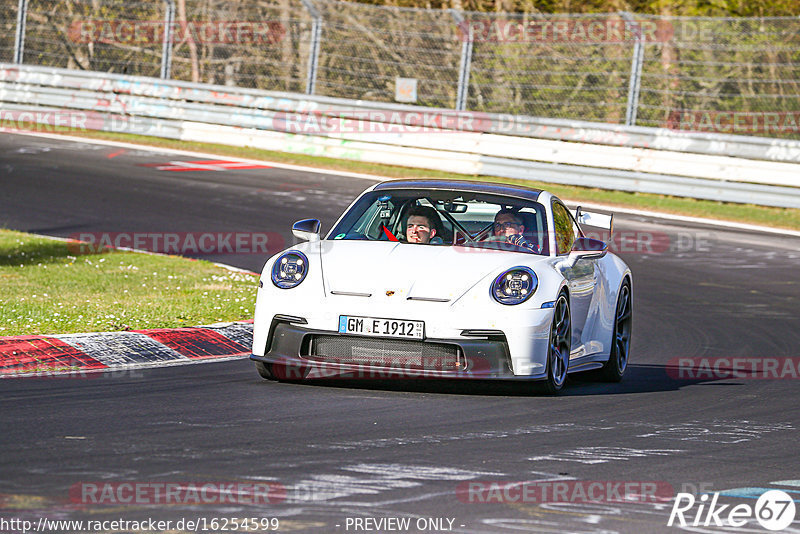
x,y
581,276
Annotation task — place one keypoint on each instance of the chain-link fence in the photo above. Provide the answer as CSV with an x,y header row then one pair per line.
x,y
741,75
98,35
549,66
702,74
8,28
242,43
364,50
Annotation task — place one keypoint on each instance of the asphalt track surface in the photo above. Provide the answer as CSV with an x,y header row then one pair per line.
x,y
379,450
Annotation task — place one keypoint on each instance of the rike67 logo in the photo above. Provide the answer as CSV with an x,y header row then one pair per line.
x,y
774,510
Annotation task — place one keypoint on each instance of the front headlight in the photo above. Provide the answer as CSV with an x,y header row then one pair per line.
x,y
289,270
514,286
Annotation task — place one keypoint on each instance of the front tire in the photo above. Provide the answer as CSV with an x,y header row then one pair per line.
x,y
614,368
559,346
265,370
281,371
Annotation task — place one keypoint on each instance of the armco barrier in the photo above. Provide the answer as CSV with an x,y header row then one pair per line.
x,y
720,167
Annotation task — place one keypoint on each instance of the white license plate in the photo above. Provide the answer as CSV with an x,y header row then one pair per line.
x,y
377,326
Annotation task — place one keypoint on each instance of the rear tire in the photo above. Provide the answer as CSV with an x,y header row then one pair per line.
x,y
559,346
614,368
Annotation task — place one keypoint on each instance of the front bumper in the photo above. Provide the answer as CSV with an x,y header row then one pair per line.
x,y
311,353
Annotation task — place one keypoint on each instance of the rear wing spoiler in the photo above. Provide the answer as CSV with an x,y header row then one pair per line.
x,y
598,220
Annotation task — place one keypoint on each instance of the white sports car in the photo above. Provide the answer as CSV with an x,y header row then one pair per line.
x,y
427,278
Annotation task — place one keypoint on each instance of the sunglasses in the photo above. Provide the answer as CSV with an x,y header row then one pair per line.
x,y
503,226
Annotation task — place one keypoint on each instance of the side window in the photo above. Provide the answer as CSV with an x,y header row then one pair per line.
x,y
565,229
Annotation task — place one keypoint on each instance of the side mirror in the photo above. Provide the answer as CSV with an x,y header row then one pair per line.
x,y
586,248
307,229
598,220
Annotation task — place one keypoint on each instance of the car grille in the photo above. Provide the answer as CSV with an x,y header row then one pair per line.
x,y
393,353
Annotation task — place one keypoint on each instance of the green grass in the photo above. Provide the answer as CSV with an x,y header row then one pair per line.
x,y
49,288
746,213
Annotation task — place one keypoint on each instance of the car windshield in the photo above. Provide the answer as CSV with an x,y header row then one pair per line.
x,y
446,218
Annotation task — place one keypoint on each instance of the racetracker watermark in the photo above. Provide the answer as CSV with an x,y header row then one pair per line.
x,y
654,242
142,32
735,122
621,242
373,121
365,364
53,120
720,368
565,30
573,491
48,120
334,121
178,242
199,493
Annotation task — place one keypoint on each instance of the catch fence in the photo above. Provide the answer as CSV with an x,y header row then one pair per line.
x,y
717,75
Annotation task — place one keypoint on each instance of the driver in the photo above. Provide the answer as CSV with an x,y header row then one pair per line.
x,y
421,225
509,225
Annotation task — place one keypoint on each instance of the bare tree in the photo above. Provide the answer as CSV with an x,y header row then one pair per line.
x,y
189,40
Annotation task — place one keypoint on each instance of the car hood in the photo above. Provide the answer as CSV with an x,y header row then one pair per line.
x,y
442,273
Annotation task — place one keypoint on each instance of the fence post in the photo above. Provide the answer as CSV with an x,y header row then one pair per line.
x,y
313,55
466,60
166,49
634,85
19,40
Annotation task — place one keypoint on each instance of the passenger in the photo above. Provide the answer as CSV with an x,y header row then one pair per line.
x,y
508,224
421,225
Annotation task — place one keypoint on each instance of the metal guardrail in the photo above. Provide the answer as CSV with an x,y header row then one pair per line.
x,y
760,148
718,167
629,68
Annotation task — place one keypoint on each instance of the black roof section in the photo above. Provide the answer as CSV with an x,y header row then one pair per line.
x,y
518,191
